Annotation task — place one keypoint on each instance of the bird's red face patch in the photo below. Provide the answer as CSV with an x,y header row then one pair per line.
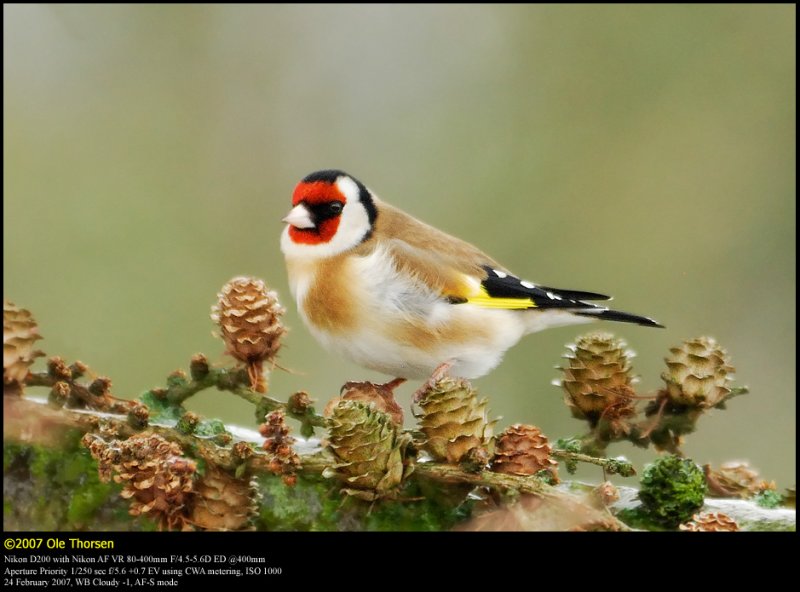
x,y
316,196
318,192
313,236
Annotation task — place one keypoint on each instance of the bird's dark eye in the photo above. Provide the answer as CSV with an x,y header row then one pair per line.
x,y
335,207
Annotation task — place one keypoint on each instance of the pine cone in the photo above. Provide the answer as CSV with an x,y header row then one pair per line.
x,y
523,450
300,403
188,423
139,416
699,373
20,332
249,316
369,450
156,477
223,502
278,443
710,522
453,420
380,395
597,382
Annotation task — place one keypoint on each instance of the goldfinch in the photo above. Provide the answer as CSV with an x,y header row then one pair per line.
x,y
398,296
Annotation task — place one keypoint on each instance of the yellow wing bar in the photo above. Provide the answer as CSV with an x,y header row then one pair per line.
x,y
485,300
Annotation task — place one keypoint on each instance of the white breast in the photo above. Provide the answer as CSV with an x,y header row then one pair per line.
x,y
386,298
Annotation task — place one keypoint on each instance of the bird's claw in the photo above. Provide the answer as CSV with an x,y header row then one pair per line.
x,y
439,373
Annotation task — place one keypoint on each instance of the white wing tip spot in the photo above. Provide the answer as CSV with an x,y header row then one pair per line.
x,y
500,274
528,285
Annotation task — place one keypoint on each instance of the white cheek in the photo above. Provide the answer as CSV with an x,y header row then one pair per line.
x,y
353,227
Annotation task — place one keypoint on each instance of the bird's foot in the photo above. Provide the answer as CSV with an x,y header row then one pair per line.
x,y
438,374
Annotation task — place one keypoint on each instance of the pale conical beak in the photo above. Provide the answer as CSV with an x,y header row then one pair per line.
x,y
300,217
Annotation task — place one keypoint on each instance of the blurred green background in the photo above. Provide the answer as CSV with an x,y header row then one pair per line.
x,y
643,151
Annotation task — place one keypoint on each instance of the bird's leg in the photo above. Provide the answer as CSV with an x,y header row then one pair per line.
x,y
440,371
393,384
438,374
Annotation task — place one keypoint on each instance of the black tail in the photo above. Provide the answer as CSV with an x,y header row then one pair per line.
x,y
622,317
